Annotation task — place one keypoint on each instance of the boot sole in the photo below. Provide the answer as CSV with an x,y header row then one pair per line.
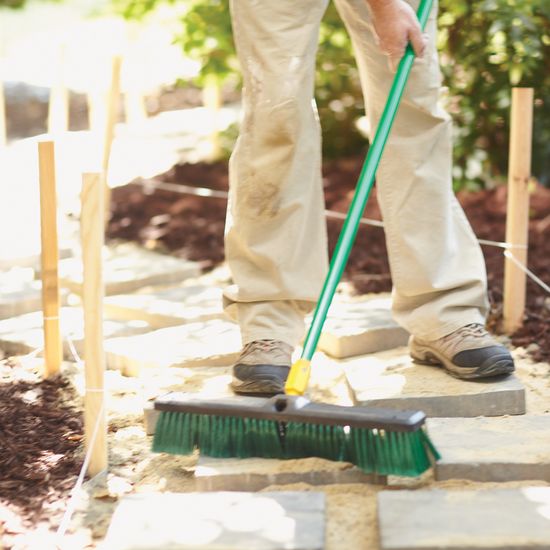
x,y
428,356
259,380
257,388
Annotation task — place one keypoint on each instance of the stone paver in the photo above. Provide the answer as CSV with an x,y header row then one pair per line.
x,y
128,267
359,326
214,342
20,294
24,334
219,521
169,307
492,449
391,379
495,519
15,258
254,474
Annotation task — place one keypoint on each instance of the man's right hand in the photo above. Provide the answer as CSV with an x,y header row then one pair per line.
x,y
395,24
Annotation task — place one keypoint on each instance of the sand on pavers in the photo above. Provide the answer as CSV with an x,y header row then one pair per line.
x,y
350,506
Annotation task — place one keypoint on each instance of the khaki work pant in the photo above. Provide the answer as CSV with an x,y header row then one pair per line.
x,y
276,243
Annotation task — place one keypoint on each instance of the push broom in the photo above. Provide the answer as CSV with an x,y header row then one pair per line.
x,y
381,441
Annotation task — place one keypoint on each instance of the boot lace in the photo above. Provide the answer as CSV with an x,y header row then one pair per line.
x,y
475,330
264,345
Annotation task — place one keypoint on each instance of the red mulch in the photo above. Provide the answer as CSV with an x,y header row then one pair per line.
x,y
40,454
192,227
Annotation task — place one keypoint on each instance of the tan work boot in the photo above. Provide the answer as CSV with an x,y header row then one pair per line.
x,y
469,352
262,368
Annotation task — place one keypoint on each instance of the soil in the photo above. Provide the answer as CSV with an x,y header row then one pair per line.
x,y
192,226
41,435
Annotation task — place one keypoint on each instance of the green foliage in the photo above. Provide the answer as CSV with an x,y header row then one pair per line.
x,y
486,47
12,3
338,90
206,36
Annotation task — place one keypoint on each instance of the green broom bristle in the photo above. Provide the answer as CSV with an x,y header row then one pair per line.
x,y
381,452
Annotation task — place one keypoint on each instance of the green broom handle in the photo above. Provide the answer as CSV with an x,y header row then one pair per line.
x,y
362,192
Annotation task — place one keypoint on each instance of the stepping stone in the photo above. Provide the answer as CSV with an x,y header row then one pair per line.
x,y
24,334
254,474
21,293
209,343
127,267
31,259
219,521
169,307
492,449
391,379
495,519
358,326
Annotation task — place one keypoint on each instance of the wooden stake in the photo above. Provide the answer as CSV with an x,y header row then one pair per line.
x,y
135,110
112,112
3,129
58,111
53,351
212,100
517,216
92,230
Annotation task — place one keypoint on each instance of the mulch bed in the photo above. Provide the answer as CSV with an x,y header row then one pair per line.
x,y
192,227
41,452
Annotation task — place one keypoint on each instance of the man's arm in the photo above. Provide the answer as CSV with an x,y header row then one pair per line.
x,y
395,24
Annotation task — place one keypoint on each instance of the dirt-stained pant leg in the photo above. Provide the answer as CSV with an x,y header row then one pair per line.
x,y
436,263
275,239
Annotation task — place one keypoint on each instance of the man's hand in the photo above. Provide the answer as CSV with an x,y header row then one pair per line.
x,y
395,24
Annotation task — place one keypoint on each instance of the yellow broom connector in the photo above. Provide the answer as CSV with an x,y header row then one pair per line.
x,y
298,377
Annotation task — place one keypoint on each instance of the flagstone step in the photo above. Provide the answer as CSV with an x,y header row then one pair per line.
x,y
21,294
28,258
24,334
128,267
293,520
208,343
391,379
168,307
492,449
488,519
356,326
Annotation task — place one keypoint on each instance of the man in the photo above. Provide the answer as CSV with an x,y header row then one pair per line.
x,y
276,243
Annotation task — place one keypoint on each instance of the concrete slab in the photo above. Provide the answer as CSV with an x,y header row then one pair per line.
x,y
208,343
128,267
361,325
227,520
495,519
169,307
492,449
391,379
254,474
24,334
20,293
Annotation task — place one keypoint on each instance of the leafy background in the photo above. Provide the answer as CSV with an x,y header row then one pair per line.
x,y
486,47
